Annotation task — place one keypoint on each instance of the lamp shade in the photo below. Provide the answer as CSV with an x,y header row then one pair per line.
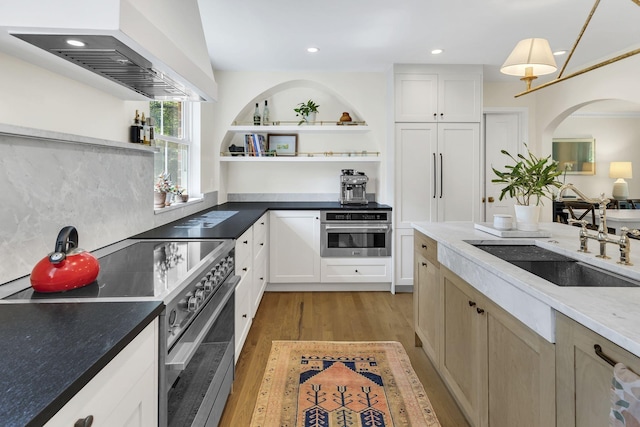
x,y
534,54
620,170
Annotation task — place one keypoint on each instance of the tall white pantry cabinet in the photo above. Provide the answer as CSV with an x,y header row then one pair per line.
x,y
438,110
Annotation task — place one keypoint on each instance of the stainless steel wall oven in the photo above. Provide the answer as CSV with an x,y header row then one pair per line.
x,y
364,233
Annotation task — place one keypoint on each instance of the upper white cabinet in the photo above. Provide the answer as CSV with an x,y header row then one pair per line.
x,y
438,97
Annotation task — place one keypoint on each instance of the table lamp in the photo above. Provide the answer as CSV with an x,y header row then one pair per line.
x,y
620,170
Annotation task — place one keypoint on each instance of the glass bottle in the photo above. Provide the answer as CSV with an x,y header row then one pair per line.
x,y
265,114
256,116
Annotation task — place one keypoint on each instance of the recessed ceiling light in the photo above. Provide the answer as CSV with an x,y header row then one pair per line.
x,y
312,49
76,43
559,52
436,51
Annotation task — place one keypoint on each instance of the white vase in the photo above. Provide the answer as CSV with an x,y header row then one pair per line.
x,y
310,119
527,217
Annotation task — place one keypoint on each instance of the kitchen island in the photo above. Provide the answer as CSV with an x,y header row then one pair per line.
x,y
613,313
516,349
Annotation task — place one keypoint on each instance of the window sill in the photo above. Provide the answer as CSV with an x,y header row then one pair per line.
x,y
176,206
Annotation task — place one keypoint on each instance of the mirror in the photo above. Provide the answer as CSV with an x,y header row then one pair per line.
x,y
575,156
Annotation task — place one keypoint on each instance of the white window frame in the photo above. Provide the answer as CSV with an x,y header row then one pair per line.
x,y
191,138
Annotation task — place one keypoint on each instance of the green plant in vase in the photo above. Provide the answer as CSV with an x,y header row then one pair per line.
x,y
527,181
307,111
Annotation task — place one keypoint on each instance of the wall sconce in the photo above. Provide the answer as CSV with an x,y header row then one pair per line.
x,y
529,59
620,170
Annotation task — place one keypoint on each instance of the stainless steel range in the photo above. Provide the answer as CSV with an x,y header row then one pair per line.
x,y
195,280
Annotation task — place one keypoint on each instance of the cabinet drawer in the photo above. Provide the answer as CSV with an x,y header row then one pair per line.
x,y
426,246
338,270
260,228
244,246
242,314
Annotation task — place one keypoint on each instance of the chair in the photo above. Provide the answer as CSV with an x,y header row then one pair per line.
x,y
634,203
583,209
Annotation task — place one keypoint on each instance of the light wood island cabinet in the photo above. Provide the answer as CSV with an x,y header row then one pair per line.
x,y
584,378
500,372
427,296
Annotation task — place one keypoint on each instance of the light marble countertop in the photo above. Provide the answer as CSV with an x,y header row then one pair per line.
x,y
613,313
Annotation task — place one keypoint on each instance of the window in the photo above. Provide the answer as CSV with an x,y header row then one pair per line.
x,y
174,138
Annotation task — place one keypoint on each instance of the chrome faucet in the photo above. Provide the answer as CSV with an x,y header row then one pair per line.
x,y
602,236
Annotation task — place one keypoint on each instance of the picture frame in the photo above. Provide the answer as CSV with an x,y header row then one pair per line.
x,y
283,144
575,156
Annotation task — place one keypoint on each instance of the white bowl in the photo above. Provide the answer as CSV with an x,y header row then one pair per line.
x,y
503,222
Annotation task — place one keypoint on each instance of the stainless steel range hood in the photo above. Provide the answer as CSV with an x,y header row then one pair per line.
x,y
114,60
155,52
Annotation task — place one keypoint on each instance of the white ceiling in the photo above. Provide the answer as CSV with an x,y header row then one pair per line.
x,y
371,35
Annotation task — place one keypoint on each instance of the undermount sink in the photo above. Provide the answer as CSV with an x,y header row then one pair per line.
x,y
553,267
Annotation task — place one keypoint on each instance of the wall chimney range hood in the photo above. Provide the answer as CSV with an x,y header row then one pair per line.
x,y
156,50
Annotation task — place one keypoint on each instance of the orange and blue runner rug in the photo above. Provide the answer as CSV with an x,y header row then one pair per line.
x,y
341,384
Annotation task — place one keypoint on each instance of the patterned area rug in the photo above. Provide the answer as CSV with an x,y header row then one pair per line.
x,y
341,384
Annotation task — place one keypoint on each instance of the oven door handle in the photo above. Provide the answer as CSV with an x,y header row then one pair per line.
x,y
357,227
183,352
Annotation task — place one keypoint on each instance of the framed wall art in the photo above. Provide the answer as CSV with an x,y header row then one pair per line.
x,y
283,145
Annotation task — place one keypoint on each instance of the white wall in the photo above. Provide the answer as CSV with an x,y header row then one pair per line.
x,y
617,139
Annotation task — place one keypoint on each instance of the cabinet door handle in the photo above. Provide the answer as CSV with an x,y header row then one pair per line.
x,y
424,246
356,271
246,242
262,223
441,116
424,264
435,116
84,422
441,174
472,303
603,356
435,182
261,244
244,315
262,278
244,269
480,310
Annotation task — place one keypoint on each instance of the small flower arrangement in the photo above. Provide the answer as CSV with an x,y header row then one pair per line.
x,y
164,184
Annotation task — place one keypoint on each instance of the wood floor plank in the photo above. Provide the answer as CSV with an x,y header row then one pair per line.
x,y
331,316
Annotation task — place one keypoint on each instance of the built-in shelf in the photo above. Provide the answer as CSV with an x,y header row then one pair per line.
x,y
301,129
67,138
303,158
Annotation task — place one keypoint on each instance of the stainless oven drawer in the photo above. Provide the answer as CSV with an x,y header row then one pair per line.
x,y
355,240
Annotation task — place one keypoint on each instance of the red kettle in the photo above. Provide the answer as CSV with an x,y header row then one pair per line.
x,y
67,267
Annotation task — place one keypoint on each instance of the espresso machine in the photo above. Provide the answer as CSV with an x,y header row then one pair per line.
x,y
353,187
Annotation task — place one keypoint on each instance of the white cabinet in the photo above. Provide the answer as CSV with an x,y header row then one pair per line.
x,y
123,393
243,301
437,172
355,270
295,247
438,97
260,260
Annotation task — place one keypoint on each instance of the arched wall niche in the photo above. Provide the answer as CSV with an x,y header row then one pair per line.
x,y
282,98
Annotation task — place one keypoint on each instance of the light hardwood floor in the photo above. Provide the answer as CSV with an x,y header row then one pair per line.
x,y
331,316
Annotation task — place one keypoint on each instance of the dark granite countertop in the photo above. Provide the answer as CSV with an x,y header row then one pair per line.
x,y
248,213
50,351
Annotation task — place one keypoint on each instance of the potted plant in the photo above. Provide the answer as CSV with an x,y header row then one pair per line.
x,y
306,110
527,181
162,186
